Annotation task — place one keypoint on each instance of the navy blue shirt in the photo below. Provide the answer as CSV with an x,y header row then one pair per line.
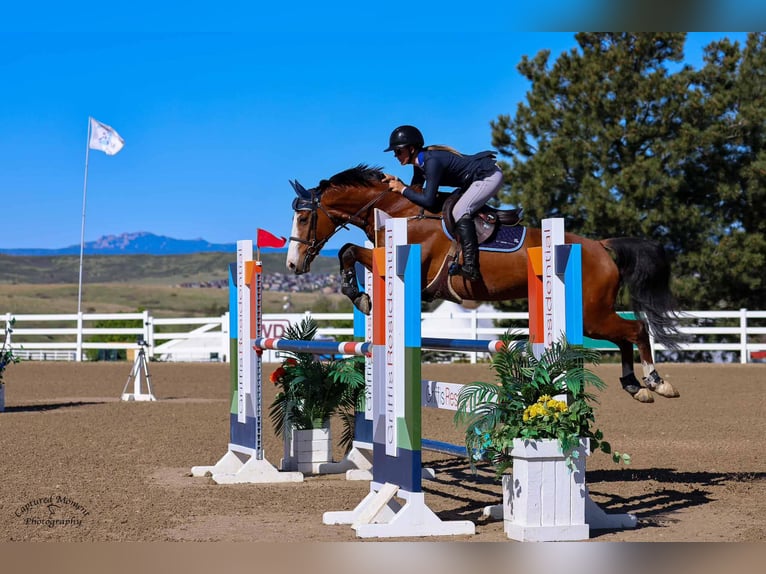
x,y
441,167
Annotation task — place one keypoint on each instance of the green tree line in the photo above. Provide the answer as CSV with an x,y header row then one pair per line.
x,y
620,138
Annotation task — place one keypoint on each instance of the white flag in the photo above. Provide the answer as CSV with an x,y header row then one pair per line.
x,y
104,138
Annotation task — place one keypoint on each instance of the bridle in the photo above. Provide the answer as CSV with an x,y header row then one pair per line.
x,y
311,200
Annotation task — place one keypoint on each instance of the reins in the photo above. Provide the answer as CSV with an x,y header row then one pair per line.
x,y
314,205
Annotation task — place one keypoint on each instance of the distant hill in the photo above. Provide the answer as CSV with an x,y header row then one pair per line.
x,y
140,243
140,257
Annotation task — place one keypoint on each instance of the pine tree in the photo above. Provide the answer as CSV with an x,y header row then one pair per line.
x,y
619,138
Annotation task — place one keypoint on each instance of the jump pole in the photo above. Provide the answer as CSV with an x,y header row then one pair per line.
x,y
244,461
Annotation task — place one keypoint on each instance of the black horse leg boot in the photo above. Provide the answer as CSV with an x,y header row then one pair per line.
x,y
466,231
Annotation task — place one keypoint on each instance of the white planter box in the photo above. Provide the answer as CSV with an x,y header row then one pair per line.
x,y
312,448
543,501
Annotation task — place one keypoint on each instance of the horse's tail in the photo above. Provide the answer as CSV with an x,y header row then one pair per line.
x,y
645,271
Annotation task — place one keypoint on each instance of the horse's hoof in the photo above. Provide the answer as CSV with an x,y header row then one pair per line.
x,y
654,382
644,396
665,389
630,384
363,303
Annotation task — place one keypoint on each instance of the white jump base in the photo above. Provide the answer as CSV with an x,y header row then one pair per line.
x,y
239,467
380,515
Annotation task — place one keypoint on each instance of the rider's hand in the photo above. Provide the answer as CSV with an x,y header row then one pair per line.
x,y
394,183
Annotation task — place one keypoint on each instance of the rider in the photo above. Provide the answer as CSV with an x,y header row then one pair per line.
x,y
477,175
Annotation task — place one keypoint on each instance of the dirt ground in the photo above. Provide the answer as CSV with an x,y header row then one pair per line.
x,y
78,464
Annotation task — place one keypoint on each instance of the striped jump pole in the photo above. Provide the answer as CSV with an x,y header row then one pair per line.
x,y
353,461
431,396
469,345
314,347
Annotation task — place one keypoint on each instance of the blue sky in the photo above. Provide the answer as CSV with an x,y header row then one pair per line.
x,y
220,110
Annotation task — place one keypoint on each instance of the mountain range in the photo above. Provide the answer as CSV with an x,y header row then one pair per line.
x,y
139,243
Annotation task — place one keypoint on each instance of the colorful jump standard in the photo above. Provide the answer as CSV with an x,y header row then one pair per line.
x,y
554,276
244,461
555,506
396,403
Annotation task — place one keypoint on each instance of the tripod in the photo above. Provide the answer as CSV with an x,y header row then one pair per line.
x,y
140,366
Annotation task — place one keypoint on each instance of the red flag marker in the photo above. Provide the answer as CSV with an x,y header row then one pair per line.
x,y
266,239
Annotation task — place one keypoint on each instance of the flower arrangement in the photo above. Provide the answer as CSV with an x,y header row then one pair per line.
x,y
6,353
312,390
527,403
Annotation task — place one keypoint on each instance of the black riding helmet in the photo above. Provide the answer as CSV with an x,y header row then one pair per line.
x,y
404,136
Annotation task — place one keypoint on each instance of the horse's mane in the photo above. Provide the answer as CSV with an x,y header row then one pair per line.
x,y
362,174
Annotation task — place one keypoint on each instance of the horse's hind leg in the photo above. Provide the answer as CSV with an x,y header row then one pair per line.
x,y
349,255
652,378
628,379
625,333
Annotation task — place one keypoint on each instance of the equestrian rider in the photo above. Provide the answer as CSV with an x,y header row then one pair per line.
x,y
478,177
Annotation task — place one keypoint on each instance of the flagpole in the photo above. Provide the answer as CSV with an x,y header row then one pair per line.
x,y
82,228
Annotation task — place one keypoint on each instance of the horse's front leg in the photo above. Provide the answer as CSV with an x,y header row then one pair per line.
x,y
349,255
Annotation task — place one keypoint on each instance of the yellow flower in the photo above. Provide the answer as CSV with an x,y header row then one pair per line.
x,y
555,405
544,407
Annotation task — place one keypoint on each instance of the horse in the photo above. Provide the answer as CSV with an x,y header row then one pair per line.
x,y
351,197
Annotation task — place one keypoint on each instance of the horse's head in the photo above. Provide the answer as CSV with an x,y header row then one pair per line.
x,y
348,197
305,242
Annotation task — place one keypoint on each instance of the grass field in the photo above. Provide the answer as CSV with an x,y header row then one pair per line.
x,y
129,283
161,300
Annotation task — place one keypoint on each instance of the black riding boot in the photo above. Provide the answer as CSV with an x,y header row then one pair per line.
x,y
466,231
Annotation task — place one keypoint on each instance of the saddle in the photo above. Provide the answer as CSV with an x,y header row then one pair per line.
x,y
487,220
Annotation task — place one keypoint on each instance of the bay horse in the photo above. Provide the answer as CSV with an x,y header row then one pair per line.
x,y
352,196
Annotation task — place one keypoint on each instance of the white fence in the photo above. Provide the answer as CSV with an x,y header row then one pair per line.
x,y
70,337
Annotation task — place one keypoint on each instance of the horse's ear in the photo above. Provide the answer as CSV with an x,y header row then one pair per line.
x,y
300,190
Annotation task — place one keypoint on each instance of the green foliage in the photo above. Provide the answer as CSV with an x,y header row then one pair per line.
x,y
523,406
121,354
621,140
6,353
313,390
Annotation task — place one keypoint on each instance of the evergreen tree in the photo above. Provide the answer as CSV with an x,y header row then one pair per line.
x,y
619,138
